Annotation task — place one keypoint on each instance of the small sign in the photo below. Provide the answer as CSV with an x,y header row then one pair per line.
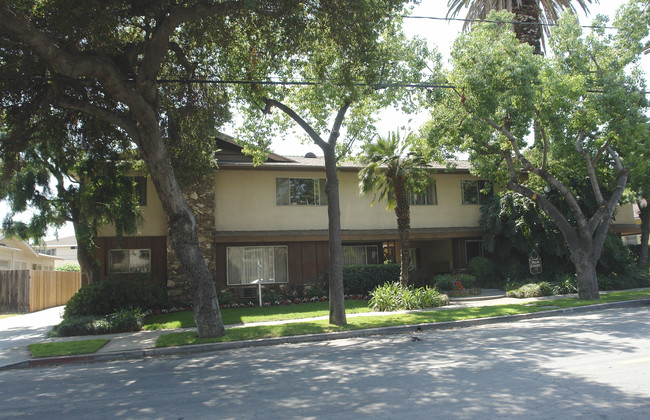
x,y
535,263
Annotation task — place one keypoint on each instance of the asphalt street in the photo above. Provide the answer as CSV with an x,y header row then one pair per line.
x,y
594,365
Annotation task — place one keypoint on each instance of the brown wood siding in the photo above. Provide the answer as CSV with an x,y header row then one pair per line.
x,y
157,245
308,261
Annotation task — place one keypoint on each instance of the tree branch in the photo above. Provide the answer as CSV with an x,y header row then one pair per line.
x,y
111,117
270,103
338,121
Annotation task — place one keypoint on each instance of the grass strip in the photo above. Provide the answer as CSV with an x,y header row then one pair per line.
x,y
66,348
364,322
232,316
3,316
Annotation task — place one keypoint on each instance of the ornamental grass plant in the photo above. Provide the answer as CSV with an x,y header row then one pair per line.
x,y
393,297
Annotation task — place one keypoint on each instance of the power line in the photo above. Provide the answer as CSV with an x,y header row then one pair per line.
x,y
385,85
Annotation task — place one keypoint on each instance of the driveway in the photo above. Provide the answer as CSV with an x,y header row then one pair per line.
x,y
17,332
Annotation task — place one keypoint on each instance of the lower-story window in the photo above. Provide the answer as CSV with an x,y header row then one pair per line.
x,y
129,261
360,255
247,264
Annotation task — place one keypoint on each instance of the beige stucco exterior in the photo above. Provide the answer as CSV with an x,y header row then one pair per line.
x,y
245,201
154,220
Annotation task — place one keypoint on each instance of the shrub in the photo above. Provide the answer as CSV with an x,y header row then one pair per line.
x,y
361,279
444,282
68,267
547,288
124,320
314,291
525,291
484,270
617,282
467,280
393,297
108,296
566,284
270,296
226,297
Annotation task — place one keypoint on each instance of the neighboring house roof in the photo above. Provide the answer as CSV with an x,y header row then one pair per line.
x,y
14,244
68,241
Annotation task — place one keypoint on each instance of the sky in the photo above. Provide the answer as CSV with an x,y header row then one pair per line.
x,y
439,33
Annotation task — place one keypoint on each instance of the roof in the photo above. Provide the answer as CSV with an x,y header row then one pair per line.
x,y
231,156
61,242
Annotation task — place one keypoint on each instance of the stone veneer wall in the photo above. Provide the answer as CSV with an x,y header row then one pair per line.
x,y
200,197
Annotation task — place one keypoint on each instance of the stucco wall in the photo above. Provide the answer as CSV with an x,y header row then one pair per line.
x,y
154,219
245,201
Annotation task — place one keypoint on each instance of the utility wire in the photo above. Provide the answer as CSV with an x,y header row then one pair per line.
x,y
275,83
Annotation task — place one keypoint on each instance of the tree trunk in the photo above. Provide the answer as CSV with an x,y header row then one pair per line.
x,y
183,234
336,292
87,262
644,215
529,31
585,264
85,234
402,211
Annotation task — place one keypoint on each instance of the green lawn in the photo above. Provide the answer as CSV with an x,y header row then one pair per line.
x,y
66,348
2,316
234,316
363,322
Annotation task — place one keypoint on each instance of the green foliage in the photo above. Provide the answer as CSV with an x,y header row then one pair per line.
x,y
124,320
68,267
361,279
226,297
616,257
566,284
393,297
109,296
444,281
270,296
484,270
590,117
513,228
316,291
632,279
467,280
527,290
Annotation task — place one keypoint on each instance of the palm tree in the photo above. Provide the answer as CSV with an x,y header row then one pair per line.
x,y
533,14
392,171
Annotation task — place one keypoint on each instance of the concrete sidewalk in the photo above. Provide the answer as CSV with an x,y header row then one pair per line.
x,y
19,331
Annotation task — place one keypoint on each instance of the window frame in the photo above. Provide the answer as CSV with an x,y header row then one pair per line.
x,y
285,196
131,270
481,198
276,264
430,197
365,253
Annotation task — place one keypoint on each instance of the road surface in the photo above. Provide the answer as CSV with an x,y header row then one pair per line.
x,y
582,366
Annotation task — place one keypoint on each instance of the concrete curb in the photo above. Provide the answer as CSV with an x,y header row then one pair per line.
x,y
402,329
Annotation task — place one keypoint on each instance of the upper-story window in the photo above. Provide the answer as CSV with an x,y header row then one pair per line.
x,y
475,192
300,192
428,198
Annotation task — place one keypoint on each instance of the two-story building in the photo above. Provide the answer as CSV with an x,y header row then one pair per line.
x,y
270,222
